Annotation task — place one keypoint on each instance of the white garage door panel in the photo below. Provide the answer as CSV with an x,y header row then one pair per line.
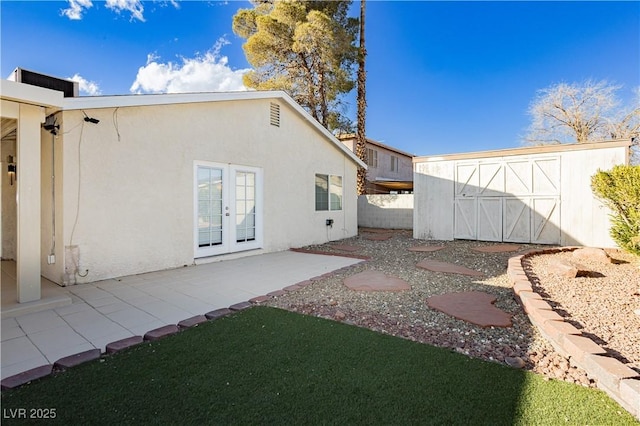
x,y
490,219
517,220
465,218
545,220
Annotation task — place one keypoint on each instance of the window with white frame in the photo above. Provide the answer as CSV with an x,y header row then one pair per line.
x,y
328,192
394,164
372,158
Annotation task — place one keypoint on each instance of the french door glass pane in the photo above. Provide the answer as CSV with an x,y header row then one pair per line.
x,y
245,206
209,206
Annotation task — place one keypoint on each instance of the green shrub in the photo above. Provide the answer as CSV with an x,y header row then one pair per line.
x,y
619,189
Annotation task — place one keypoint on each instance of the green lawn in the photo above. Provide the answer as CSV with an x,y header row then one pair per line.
x,y
269,366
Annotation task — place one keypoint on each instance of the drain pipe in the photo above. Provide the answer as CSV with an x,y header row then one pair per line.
x,y
51,259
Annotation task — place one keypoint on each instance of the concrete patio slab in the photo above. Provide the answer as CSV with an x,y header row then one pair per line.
x,y
108,311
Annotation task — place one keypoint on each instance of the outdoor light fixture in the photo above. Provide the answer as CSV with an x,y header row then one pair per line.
x,y
89,119
50,125
11,169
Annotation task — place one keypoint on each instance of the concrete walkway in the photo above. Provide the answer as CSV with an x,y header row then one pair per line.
x,y
110,310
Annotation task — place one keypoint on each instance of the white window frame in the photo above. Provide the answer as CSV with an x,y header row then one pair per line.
x,y
329,192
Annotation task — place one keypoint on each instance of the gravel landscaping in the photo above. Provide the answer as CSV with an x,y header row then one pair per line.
x,y
603,301
406,314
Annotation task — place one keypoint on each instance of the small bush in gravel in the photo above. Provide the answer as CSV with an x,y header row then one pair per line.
x,y
619,189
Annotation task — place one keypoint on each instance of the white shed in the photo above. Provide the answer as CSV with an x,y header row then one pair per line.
x,y
536,195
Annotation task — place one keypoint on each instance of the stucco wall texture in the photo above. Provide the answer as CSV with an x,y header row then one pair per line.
x,y
127,206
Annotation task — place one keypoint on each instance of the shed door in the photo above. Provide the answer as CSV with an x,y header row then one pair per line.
x,y
508,199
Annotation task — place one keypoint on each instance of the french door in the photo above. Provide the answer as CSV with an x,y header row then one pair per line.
x,y
228,208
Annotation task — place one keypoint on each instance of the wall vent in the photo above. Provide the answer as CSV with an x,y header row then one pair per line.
x,y
274,114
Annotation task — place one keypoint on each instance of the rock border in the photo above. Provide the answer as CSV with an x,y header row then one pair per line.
x,y
73,360
613,377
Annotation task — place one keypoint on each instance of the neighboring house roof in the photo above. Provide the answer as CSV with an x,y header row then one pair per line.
x,y
374,142
94,102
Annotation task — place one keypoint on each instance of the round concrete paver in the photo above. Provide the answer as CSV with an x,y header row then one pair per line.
x,y
472,306
376,281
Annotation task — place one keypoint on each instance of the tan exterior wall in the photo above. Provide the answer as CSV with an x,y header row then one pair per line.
x,y
128,203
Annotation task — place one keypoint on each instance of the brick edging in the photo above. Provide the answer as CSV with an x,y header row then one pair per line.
x,y
71,361
612,376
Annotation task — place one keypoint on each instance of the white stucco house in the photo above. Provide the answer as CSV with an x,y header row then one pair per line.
x,y
109,186
538,194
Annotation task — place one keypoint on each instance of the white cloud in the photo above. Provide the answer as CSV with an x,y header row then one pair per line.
x,y
86,87
204,73
133,6
76,8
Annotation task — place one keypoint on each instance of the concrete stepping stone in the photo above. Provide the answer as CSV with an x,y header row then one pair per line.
x,y
475,307
345,247
375,281
497,248
425,249
448,268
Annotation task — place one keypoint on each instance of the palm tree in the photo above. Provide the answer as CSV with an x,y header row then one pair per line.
x,y
361,139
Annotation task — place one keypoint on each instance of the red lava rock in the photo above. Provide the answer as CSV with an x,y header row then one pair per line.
x,y
375,281
448,268
472,306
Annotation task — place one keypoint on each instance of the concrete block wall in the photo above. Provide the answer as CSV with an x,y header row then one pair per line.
x,y
388,211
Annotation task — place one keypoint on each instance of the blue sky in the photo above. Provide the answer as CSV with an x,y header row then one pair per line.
x,y
443,77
